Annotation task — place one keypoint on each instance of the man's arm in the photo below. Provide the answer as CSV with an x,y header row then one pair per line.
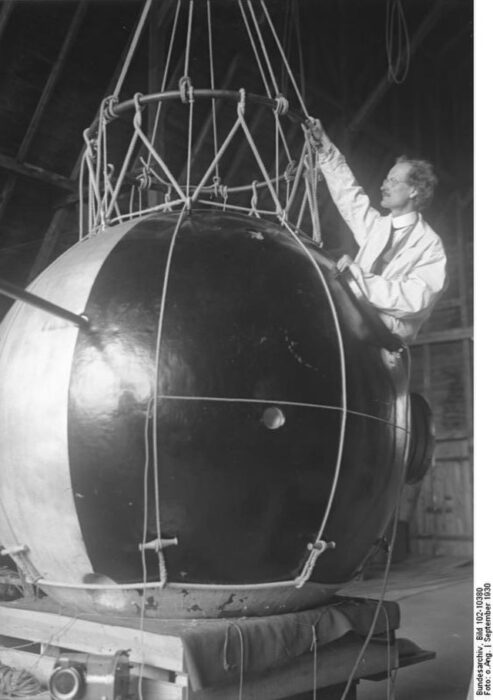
x,y
350,199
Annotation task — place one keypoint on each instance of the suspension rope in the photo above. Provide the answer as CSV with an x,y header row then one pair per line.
x,y
300,48
131,51
254,48
211,70
263,47
164,79
283,56
189,38
189,140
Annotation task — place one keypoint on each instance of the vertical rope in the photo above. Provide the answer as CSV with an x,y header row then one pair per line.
x,y
159,337
211,69
189,38
315,661
296,13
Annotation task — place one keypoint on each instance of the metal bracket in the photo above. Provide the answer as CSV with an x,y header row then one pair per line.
x,y
316,549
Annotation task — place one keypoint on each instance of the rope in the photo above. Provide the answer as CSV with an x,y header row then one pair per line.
x,y
300,48
189,37
283,56
254,47
164,79
132,48
386,572
314,648
398,57
159,337
314,553
211,69
189,143
226,665
217,157
263,47
17,683
258,158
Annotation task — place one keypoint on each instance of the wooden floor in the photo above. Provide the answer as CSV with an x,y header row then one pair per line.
x,y
436,601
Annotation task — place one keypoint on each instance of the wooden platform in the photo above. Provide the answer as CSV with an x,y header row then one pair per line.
x,y
270,657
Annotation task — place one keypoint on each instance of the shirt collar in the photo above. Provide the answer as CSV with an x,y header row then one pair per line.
x,y
405,220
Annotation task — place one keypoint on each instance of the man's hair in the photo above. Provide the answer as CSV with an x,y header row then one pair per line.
x,y
422,177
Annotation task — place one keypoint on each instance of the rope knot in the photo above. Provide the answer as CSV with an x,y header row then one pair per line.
x,y
241,100
216,181
109,108
186,89
144,179
282,105
254,199
289,173
138,109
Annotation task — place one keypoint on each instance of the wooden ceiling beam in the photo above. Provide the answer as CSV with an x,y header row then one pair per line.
x,y
36,173
57,68
61,216
7,8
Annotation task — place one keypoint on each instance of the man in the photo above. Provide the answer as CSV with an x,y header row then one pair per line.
x,y
401,265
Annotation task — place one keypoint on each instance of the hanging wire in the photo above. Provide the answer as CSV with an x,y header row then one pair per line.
x,y
397,43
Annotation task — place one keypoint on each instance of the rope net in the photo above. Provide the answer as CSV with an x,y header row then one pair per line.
x,y
191,144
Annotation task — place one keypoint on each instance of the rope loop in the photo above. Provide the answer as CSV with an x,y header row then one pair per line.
x,y
223,191
290,172
254,199
138,109
216,182
90,144
144,179
282,105
186,89
108,108
241,101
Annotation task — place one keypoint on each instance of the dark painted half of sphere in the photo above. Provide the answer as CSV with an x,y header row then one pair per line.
x,y
248,413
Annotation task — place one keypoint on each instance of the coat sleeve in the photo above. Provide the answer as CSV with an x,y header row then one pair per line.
x,y
350,199
412,295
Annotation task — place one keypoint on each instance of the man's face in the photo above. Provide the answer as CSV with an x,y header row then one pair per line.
x,y
397,194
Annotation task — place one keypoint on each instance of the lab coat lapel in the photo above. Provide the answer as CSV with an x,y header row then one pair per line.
x,y
370,252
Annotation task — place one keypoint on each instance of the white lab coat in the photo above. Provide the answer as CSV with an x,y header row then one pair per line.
x,y
412,281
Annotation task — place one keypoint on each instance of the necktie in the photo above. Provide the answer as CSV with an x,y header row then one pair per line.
x,y
380,263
